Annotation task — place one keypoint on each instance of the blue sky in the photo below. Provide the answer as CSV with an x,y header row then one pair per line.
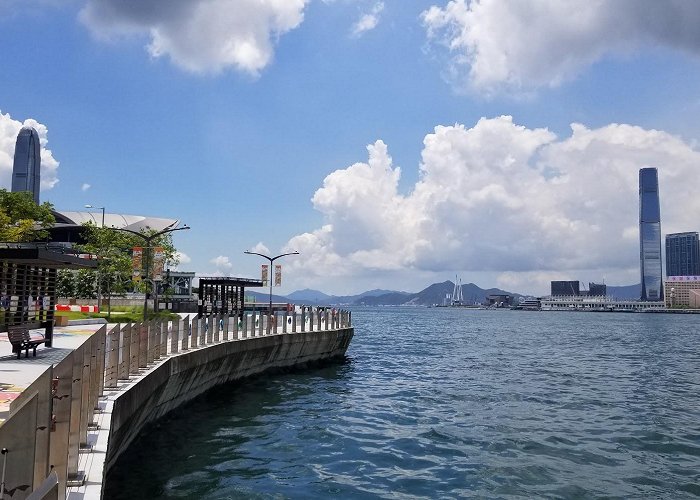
x,y
251,120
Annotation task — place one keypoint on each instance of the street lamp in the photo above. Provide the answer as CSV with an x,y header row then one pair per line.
x,y
269,276
103,213
148,239
672,291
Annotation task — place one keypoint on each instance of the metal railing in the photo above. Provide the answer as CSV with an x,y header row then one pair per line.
x,y
52,422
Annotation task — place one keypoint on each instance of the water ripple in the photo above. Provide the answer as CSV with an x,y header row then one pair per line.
x,y
443,403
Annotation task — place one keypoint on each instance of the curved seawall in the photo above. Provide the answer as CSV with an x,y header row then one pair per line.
x,y
188,374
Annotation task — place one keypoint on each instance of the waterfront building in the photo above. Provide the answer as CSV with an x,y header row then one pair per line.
x,y
682,291
682,254
599,304
565,288
650,235
26,168
597,290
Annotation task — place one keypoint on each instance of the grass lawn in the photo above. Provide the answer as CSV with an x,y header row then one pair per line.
x,y
125,315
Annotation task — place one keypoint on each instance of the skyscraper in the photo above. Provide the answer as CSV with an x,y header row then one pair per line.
x,y
682,254
26,170
650,235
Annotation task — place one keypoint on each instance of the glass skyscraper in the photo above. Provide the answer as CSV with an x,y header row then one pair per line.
x,y
650,235
26,170
682,254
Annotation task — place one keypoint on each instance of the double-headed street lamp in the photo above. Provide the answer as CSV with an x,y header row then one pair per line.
x,y
148,239
269,276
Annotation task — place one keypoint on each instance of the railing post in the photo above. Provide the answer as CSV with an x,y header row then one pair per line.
x,y
143,345
112,368
319,315
126,352
226,322
303,319
244,326
185,333
261,329
284,321
217,327
202,331
195,331
175,339
151,342
134,349
210,329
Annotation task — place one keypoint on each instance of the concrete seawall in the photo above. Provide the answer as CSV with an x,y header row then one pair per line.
x,y
188,374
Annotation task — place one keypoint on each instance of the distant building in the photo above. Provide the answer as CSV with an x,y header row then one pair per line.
x,y
682,254
597,290
565,288
650,235
500,300
683,291
26,168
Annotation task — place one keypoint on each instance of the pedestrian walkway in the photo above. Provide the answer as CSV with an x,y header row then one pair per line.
x,y
18,374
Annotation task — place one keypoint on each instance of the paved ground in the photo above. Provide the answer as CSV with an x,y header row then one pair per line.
x,y
18,374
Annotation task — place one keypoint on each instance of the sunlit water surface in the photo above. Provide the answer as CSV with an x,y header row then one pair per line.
x,y
446,403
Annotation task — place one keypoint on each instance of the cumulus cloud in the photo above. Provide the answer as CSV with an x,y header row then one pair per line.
x,y
501,198
85,187
496,44
368,21
183,258
221,262
9,129
201,36
260,248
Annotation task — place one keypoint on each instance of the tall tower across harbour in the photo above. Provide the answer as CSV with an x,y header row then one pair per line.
x,y
26,169
650,235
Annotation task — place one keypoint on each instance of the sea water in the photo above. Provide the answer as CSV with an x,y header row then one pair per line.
x,y
448,403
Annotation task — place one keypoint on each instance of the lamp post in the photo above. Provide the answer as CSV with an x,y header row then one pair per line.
x,y
148,239
99,281
103,213
269,276
672,291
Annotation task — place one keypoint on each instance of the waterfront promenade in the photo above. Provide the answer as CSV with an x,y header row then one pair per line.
x,y
99,385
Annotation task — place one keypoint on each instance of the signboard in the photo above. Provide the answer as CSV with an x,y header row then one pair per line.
x,y
278,275
264,274
158,263
137,263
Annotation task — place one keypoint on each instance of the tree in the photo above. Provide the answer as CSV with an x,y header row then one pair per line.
x,y
113,250
65,283
21,219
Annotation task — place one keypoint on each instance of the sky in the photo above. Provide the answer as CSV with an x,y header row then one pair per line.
x,y
392,143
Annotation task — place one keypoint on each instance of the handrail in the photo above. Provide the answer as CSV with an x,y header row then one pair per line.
x,y
68,393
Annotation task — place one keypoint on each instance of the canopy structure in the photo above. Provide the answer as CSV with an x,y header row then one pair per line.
x,y
68,226
223,295
28,283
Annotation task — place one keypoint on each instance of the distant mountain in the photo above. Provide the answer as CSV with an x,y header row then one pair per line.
x,y
308,295
434,294
628,292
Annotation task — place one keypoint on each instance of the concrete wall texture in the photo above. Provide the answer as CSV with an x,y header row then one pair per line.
x,y
183,377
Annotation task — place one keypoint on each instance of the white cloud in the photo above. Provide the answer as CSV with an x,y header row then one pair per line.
x,y
221,262
504,199
368,21
183,258
9,129
260,248
496,44
201,36
85,187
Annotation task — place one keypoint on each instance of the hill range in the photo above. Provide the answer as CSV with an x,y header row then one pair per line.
x,y
434,294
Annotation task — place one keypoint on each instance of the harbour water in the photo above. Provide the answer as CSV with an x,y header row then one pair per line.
x,y
448,403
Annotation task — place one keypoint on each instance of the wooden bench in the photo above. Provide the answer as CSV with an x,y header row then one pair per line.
x,y
20,339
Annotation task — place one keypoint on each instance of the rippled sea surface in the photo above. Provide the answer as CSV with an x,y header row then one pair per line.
x,y
448,403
